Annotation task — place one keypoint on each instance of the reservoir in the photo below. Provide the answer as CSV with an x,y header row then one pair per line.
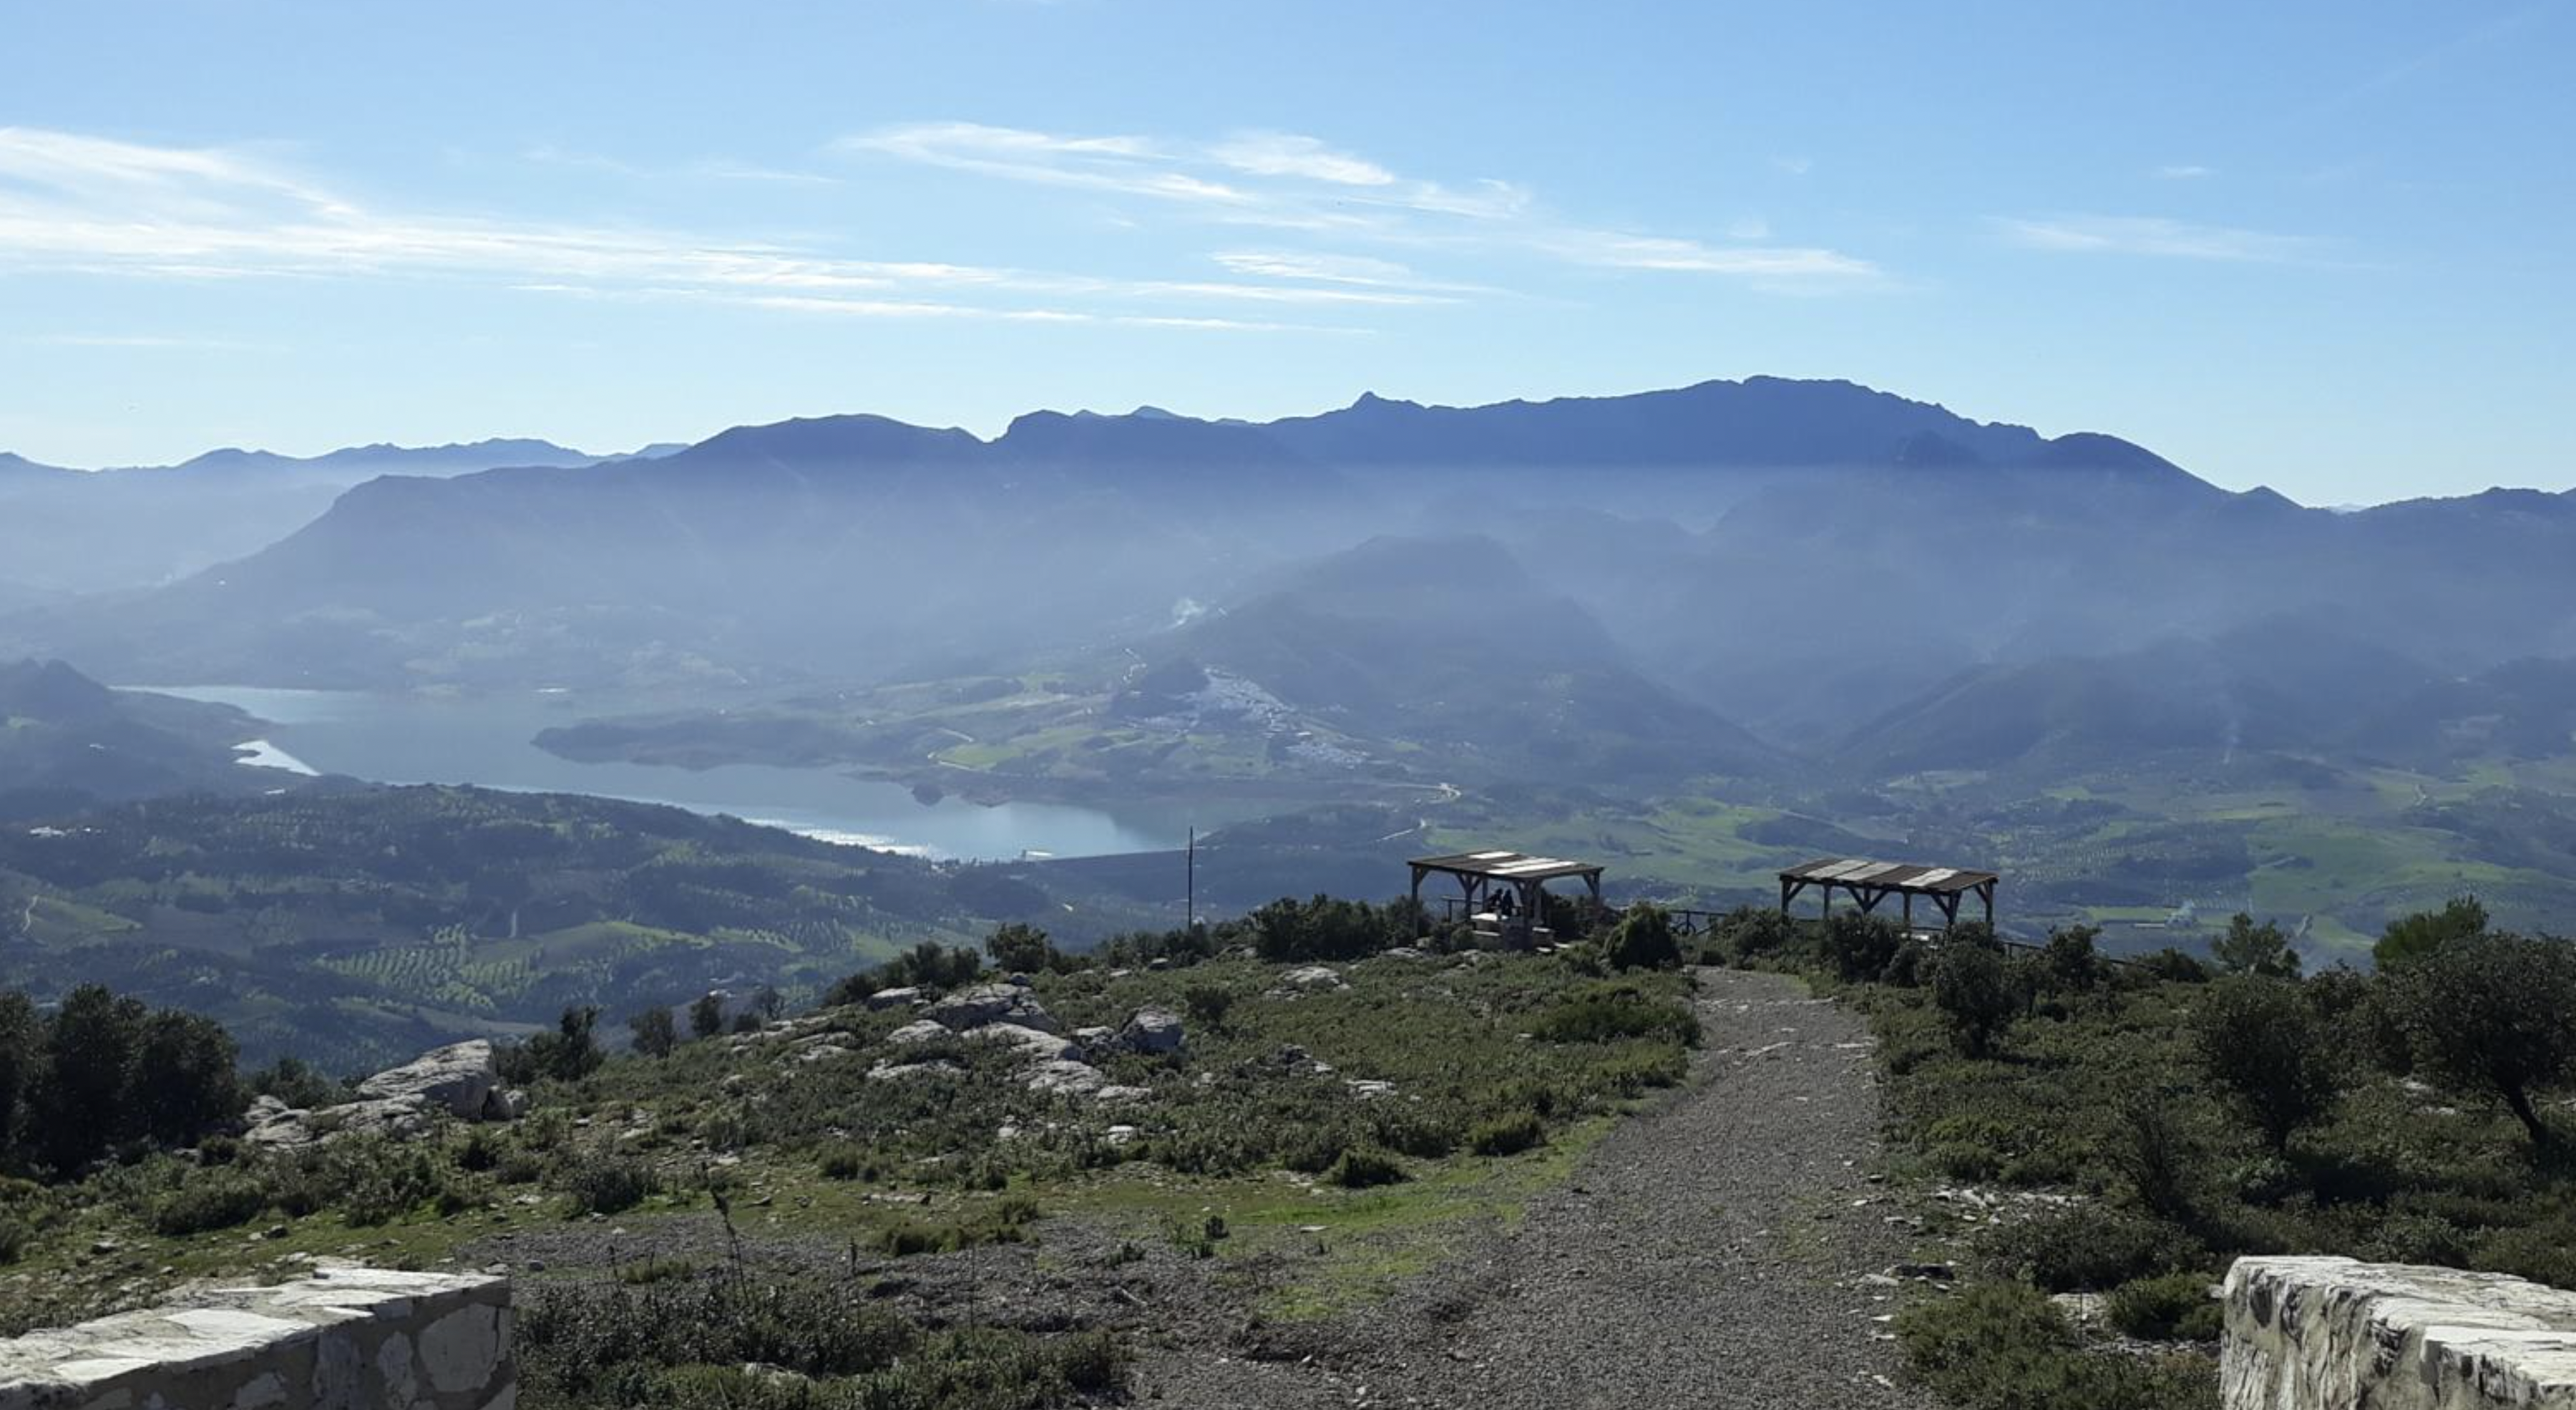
x,y
485,740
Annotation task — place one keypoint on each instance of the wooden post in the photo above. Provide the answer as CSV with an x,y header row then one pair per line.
x,y
1421,922
1909,913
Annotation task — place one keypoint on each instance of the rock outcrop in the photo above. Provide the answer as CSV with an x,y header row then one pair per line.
x,y
343,1339
2310,1332
1152,1031
986,1004
459,1078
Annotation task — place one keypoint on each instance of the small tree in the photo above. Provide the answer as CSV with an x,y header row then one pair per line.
x,y
1974,991
2496,1015
2248,948
706,1016
20,1036
89,1053
187,1077
656,1033
2074,962
2413,938
571,1052
1860,946
2264,1045
1643,939
769,1003
1019,949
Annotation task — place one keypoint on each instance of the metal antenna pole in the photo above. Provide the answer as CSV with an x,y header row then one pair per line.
x,y
1191,920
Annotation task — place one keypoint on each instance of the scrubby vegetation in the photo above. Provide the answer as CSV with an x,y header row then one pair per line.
x,y
2131,1127
1395,1101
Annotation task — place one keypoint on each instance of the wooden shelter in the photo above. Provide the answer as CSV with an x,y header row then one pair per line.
x,y
1502,891
1872,882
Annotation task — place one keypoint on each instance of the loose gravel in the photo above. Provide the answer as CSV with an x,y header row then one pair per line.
x,y
1728,1250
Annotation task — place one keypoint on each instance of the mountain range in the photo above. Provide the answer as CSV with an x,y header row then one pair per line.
x,y
1844,573
66,531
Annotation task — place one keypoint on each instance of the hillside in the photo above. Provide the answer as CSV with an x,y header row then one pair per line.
x,y
355,927
67,742
71,531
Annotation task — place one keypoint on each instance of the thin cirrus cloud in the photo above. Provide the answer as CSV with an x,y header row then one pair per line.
x,y
1288,181
2156,237
76,203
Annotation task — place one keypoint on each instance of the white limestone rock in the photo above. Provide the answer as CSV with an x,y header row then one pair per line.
x,y
1311,977
1152,1031
458,1077
1031,1044
2308,1332
1066,1078
920,1030
906,997
988,1004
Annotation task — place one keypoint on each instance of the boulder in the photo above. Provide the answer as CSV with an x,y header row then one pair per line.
x,y
1313,976
505,1104
457,1078
1065,1078
905,1071
1097,1042
1032,1045
988,1004
903,998
1152,1031
397,1117
920,1030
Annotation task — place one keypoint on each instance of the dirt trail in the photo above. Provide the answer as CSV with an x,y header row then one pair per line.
x,y
1711,1253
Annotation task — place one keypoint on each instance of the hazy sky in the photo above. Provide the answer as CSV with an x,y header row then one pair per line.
x,y
2323,246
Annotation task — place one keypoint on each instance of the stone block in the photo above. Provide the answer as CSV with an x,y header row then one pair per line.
x,y
2305,1333
343,1339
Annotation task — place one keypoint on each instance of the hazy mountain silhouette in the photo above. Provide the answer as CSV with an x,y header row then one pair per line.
x,y
70,743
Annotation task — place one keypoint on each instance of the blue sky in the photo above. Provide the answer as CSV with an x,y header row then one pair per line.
x,y
2319,246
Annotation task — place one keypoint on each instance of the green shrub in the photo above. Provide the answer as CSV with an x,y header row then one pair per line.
x,y
1507,1135
1974,991
2089,1249
1643,939
210,1200
2170,1307
1361,1168
1005,1221
1613,1013
1207,1005
610,1184
849,1163
15,1235
2263,1044
2004,1346
1860,947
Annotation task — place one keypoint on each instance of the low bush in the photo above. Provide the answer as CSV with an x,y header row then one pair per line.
x,y
1006,1221
1613,1013
2087,1250
2170,1307
1507,1135
2005,1346
1361,1168
210,1200
605,1184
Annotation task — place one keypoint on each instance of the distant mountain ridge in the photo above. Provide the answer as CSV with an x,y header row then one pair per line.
x,y
1802,558
68,742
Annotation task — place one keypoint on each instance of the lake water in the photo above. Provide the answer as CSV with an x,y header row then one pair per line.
x,y
485,740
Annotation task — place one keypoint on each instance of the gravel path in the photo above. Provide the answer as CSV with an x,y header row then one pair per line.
x,y
1713,1253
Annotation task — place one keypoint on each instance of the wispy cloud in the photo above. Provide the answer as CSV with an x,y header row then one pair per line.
x,y
1293,182
2186,171
709,169
93,205
2156,237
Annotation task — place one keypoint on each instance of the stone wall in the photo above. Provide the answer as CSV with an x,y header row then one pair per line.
x,y
2334,1334
343,1339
